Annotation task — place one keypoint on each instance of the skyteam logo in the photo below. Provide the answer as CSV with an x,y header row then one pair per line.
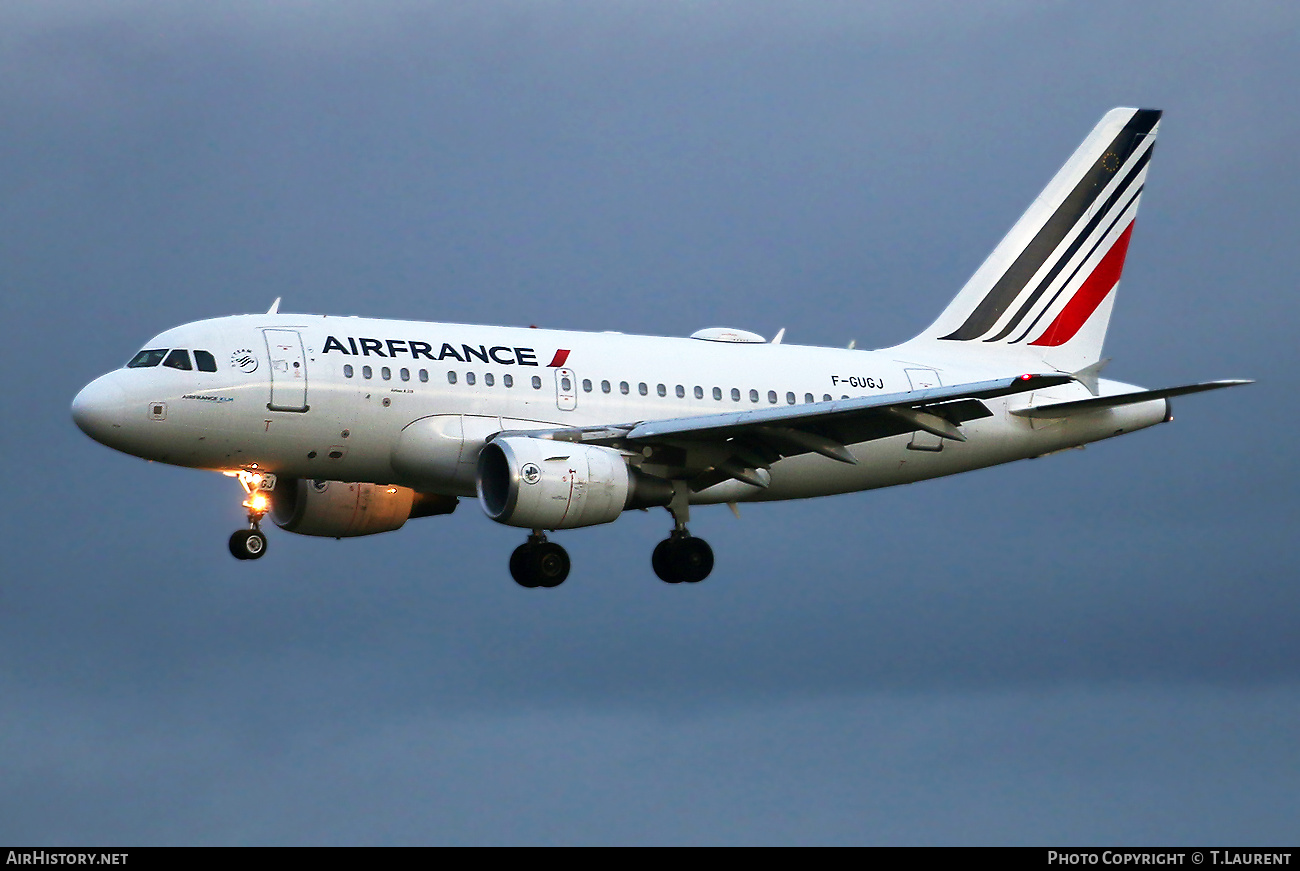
x,y
244,360
530,473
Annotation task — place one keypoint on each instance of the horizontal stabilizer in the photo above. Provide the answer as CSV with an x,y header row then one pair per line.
x,y
1065,409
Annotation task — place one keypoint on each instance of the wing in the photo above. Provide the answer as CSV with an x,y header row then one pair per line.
x,y
711,448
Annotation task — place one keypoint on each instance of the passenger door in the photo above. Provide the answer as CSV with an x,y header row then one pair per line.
x,y
288,370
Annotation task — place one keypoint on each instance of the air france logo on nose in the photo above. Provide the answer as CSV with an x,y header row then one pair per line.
x,y
530,473
244,360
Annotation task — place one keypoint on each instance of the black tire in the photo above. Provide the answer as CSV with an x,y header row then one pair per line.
x,y
521,566
662,561
247,544
692,560
550,564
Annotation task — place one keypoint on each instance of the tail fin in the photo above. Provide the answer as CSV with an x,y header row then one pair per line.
x,y
1049,285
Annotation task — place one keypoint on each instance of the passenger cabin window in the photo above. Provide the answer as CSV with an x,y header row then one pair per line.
x,y
735,394
469,377
717,393
424,375
406,374
489,379
451,377
771,397
367,373
347,370
508,380
753,395
386,373
699,392
146,359
206,362
537,382
604,387
179,359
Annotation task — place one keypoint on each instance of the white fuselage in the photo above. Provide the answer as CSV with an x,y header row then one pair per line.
x,y
334,398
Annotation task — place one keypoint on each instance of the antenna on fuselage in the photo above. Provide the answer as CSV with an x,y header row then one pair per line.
x,y
275,307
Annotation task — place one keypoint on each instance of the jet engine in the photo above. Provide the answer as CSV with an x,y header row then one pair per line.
x,y
542,484
337,509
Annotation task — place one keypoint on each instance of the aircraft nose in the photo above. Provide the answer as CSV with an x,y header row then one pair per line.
x,y
100,408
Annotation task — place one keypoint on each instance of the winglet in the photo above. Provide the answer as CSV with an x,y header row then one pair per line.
x,y
275,307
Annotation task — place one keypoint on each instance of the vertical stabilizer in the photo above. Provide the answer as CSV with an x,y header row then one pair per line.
x,y
1049,286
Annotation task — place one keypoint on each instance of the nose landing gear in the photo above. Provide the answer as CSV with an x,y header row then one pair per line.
x,y
246,544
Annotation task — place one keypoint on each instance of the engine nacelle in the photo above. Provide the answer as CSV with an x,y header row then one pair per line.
x,y
341,510
544,484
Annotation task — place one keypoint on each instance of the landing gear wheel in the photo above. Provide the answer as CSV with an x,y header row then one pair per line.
x,y
662,562
247,544
694,559
520,563
682,559
539,563
550,564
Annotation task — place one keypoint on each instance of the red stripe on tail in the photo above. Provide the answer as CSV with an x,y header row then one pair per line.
x,y
1089,295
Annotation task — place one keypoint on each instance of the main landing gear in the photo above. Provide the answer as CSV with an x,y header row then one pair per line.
x,y
678,559
681,558
539,563
251,543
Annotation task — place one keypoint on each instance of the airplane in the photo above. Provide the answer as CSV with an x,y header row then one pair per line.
x,y
348,426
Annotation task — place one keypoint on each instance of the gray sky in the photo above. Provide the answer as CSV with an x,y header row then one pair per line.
x,y
1093,648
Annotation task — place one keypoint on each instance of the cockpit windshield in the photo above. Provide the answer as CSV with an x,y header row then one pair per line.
x,y
145,359
178,358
